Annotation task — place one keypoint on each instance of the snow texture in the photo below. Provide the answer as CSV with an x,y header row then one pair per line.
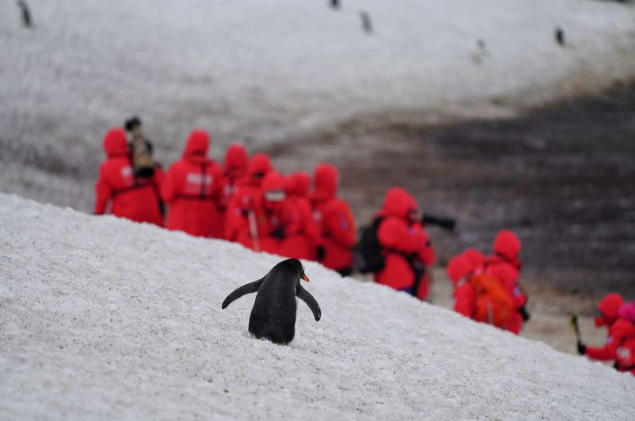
x,y
271,71
101,318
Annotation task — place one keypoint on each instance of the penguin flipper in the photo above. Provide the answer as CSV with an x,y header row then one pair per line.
x,y
306,296
240,291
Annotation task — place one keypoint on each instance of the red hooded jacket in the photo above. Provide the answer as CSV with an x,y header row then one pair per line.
x,y
247,194
234,170
619,328
192,189
334,219
133,198
403,241
505,266
302,232
464,296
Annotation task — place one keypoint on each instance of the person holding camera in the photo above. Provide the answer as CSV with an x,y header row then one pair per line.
x,y
119,190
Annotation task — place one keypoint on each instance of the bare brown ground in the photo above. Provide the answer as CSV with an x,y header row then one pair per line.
x,y
562,177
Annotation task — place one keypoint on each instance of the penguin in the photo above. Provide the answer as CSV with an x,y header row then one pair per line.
x,y
274,312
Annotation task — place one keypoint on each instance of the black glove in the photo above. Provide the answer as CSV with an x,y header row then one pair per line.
x,y
279,233
523,312
581,348
320,253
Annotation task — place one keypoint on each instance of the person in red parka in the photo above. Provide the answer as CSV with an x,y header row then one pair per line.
x,y
625,351
335,221
192,189
234,170
476,259
132,197
619,328
260,223
464,296
505,266
406,247
301,230
244,200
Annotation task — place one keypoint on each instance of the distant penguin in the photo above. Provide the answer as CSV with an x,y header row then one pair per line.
x,y
274,311
559,36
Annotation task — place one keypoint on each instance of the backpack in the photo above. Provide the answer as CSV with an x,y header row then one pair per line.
x,y
368,255
494,305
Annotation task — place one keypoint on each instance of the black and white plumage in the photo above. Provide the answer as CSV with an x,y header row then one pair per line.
x,y
274,312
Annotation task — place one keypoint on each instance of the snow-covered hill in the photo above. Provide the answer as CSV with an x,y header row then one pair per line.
x,y
267,71
101,318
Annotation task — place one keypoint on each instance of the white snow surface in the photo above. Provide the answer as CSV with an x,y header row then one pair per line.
x,y
101,318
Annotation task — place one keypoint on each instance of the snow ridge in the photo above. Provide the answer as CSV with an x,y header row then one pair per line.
x,y
101,318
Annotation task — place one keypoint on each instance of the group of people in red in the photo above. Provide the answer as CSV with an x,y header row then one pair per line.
x,y
619,318
243,200
486,288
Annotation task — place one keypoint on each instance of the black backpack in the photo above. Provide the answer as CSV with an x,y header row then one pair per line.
x,y
368,257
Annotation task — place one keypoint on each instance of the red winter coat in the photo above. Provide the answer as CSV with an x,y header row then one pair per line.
x,y
334,219
402,241
619,328
464,297
302,232
505,266
234,170
133,198
260,222
247,193
192,189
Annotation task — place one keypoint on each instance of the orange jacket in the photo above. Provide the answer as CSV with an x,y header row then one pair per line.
x,y
131,197
192,190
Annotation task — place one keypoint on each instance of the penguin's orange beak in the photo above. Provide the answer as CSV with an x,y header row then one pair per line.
x,y
306,278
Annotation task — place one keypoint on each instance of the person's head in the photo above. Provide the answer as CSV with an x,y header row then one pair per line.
x,y
259,167
297,184
236,160
507,244
398,202
459,268
197,146
273,190
609,308
475,256
114,143
325,180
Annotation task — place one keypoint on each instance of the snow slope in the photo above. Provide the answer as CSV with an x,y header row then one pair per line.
x,y
101,318
272,71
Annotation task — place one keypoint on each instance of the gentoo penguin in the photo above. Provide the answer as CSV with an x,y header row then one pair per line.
x,y
273,315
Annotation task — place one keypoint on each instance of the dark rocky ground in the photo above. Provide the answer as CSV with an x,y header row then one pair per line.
x,y
562,177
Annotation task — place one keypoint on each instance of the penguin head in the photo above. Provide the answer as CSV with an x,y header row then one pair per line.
x,y
296,266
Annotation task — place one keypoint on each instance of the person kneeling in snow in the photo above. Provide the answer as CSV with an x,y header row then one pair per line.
x,y
132,197
620,342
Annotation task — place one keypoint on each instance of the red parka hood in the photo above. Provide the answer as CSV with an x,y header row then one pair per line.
x,y
273,181
259,166
297,184
475,257
236,160
627,311
459,267
115,143
325,178
508,246
398,202
609,307
197,146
